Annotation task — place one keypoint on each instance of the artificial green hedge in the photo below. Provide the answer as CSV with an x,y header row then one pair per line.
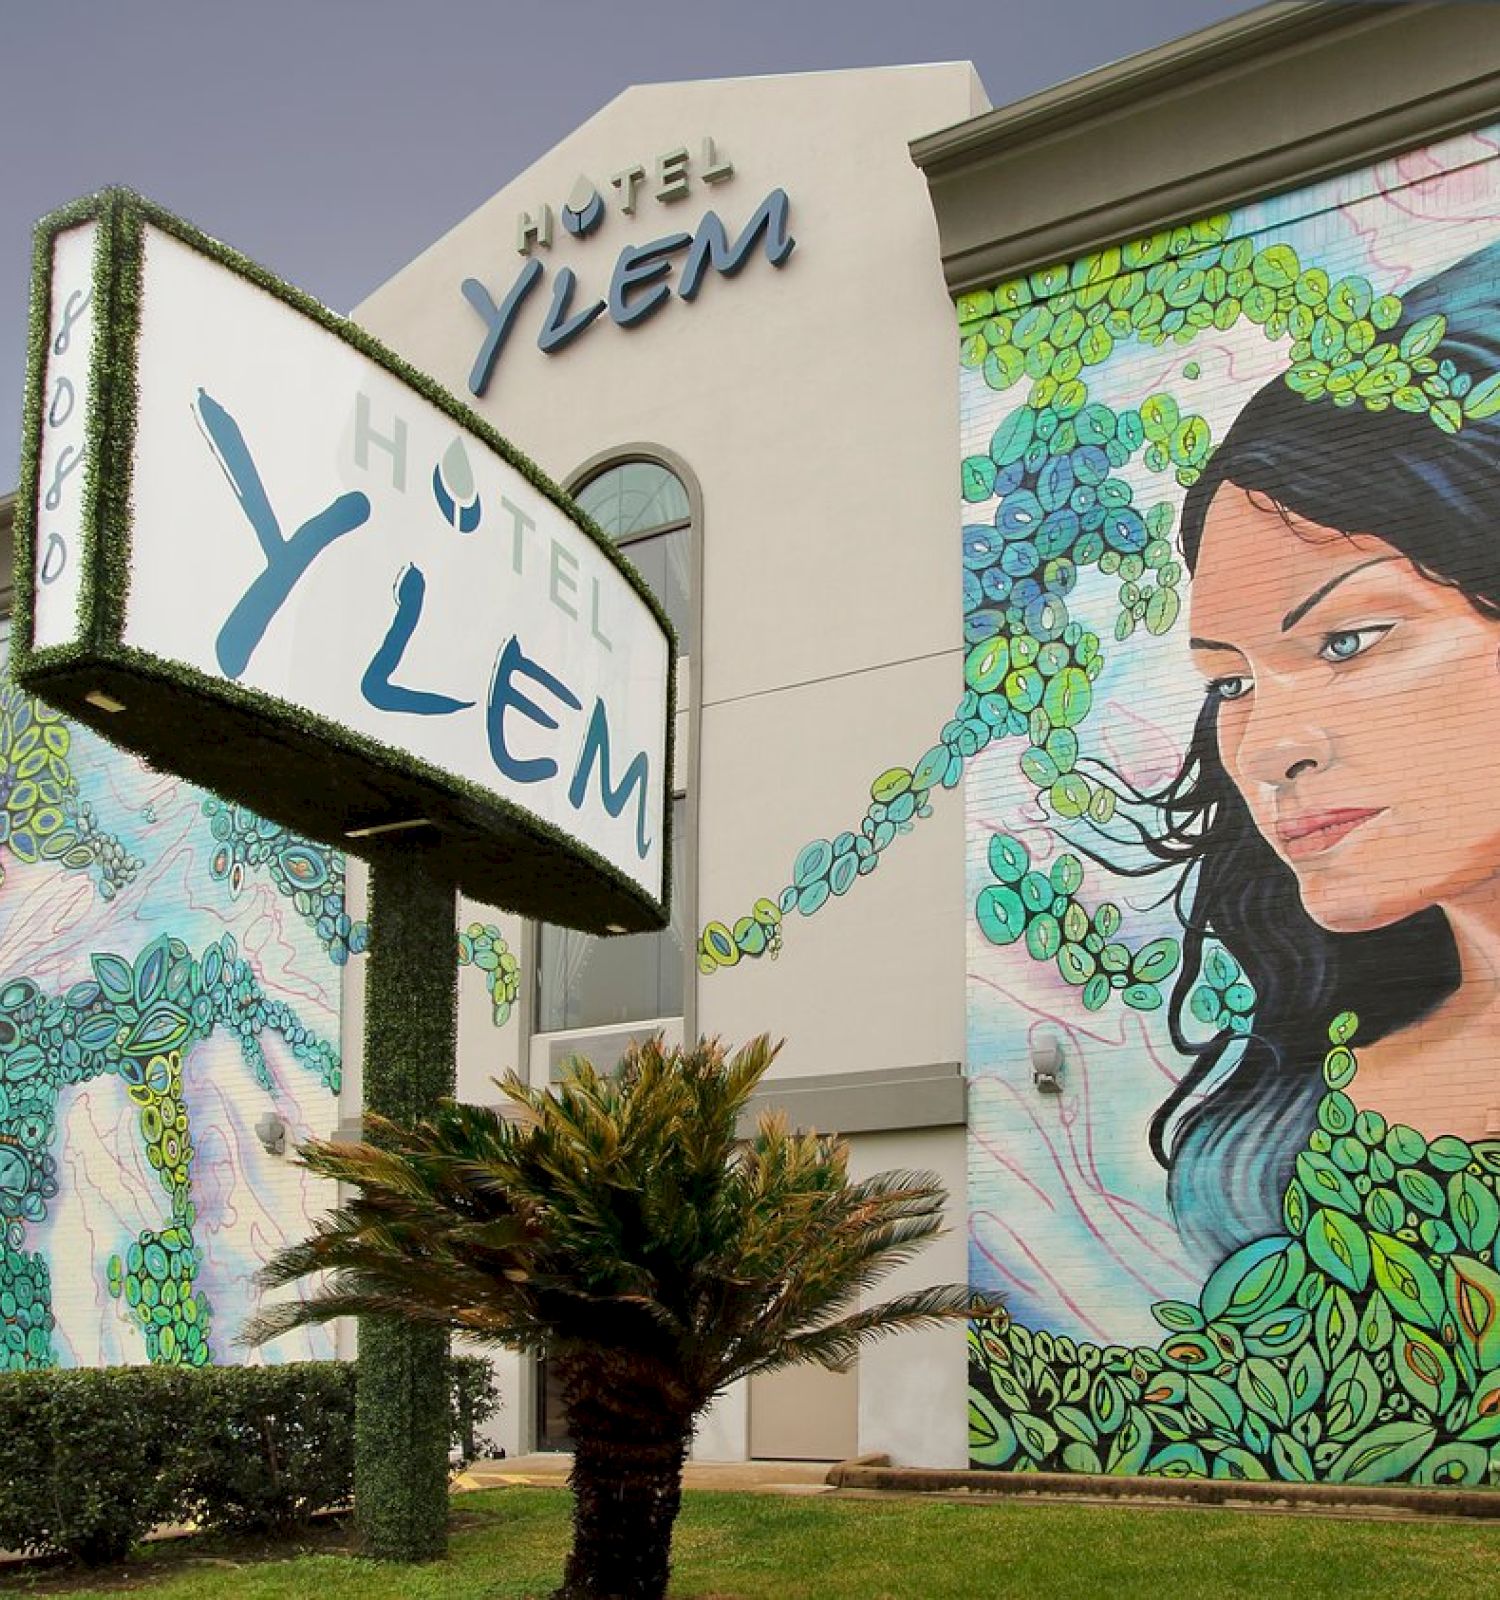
x,y
411,1023
98,1457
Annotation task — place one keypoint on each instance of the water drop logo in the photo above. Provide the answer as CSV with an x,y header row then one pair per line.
x,y
453,488
583,210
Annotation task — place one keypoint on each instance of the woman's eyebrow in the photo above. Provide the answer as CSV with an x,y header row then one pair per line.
x,y
1211,644
1296,614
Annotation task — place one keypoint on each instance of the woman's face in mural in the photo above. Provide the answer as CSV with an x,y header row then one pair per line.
x,y
1358,709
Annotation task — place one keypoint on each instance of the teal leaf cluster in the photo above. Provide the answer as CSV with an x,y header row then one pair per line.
x,y
136,1020
308,874
43,817
311,876
1044,909
482,946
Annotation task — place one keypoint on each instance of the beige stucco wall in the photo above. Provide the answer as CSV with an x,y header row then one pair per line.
x,y
815,407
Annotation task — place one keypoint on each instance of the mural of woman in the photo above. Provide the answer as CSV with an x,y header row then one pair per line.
x,y
1344,835
1333,842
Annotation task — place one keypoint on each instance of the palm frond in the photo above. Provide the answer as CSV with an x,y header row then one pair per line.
x,y
619,1213
835,1345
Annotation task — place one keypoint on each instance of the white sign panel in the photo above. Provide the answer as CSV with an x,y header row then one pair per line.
x,y
257,549
308,527
65,401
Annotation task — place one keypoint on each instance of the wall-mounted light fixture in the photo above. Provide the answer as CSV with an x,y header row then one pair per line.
x,y
1046,1063
271,1131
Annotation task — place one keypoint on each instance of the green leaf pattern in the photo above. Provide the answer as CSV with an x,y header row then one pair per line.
x,y
43,817
1347,1350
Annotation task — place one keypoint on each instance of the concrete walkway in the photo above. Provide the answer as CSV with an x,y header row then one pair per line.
x,y
872,1477
763,1477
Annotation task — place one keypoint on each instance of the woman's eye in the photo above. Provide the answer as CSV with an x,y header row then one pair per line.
x,y
1230,688
1347,643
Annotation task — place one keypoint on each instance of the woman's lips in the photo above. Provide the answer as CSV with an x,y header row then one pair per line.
x,y
1316,831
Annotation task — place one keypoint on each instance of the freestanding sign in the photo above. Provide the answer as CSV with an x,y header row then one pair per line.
x,y
255,548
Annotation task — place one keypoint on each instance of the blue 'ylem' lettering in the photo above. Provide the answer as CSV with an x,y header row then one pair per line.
x,y
635,291
286,559
711,247
513,662
615,798
376,685
638,287
497,320
560,329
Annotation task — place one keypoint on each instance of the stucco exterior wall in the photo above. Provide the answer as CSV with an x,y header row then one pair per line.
x,y
812,405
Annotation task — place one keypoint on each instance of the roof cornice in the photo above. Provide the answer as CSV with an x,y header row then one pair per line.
x,y
1275,98
1123,83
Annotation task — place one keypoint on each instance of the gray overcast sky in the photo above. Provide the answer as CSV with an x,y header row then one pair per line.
x,y
333,140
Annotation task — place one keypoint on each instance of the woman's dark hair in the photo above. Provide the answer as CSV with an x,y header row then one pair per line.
x,y
1435,497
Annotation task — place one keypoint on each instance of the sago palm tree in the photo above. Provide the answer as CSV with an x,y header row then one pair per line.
x,y
619,1223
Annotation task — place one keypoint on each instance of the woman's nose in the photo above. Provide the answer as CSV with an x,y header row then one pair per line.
x,y
1284,739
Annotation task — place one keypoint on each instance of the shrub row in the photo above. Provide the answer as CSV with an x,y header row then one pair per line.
x,y
98,1457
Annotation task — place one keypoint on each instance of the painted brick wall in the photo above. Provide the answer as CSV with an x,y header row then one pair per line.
x,y
169,972
1246,889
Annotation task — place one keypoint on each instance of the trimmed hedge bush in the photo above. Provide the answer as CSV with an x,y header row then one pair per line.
x,y
266,1447
98,1457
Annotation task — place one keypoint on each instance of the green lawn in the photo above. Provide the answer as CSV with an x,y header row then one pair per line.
x,y
508,1543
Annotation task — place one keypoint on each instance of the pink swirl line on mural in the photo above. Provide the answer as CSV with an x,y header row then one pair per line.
x,y
1044,1277
1097,1035
1090,1181
1167,371
1089,1160
35,925
1013,1167
1118,1204
265,935
1469,194
258,923
1155,755
1417,175
1091,1226
1163,1067
1252,365
135,1176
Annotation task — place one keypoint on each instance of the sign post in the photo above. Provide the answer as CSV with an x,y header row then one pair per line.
x,y
401,1406
257,549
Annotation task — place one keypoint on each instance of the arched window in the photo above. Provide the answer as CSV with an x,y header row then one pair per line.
x,y
583,981
645,509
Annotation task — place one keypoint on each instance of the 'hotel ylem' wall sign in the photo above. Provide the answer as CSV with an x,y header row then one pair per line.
x,y
641,283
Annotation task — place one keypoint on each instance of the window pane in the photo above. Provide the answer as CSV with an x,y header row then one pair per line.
x,y
663,560
588,982
634,498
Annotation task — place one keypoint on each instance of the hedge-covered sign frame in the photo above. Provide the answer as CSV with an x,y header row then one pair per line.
x,y
260,550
